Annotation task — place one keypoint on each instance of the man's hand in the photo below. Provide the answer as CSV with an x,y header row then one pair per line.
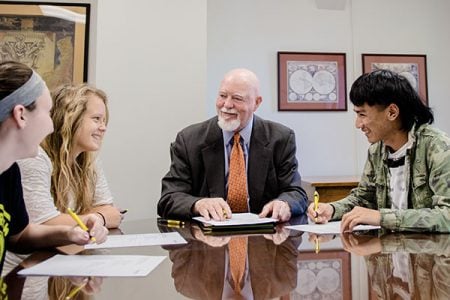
x,y
212,208
360,215
323,213
361,245
278,209
281,234
213,241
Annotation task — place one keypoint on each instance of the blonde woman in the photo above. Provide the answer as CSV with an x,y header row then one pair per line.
x,y
25,104
65,173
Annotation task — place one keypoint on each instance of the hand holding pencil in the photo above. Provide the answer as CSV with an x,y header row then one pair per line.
x,y
92,227
319,212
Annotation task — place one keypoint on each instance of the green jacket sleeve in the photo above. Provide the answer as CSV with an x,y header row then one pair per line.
x,y
429,192
429,186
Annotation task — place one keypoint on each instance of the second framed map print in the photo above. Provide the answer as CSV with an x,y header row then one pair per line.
x,y
411,66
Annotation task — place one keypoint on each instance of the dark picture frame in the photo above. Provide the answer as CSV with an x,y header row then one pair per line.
x,y
411,66
309,81
322,274
52,38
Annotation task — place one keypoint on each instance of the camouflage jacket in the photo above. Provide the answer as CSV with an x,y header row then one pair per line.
x,y
427,168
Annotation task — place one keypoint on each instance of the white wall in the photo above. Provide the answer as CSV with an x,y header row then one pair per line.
x,y
408,26
161,61
151,60
249,33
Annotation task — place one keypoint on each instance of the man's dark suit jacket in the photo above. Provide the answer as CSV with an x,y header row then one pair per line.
x,y
198,169
198,270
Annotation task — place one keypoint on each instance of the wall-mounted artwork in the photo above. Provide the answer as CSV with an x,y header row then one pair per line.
x,y
413,67
51,38
311,81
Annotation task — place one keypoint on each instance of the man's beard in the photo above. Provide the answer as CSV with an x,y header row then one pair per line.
x,y
228,125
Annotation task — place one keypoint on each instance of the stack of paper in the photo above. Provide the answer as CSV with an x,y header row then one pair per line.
x,y
137,240
108,265
95,265
329,228
238,223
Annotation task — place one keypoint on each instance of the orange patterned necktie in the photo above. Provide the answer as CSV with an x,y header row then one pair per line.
x,y
237,178
237,199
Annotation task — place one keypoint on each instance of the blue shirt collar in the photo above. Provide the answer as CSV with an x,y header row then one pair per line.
x,y
245,133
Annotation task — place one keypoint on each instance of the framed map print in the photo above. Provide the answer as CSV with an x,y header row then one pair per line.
x,y
412,66
52,38
311,81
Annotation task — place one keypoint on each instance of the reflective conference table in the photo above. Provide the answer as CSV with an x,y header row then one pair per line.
x,y
284,265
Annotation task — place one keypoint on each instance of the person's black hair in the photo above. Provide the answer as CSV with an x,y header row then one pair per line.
x,y
384,87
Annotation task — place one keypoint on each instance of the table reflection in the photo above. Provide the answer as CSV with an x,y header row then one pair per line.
x,y
200,269
73,287
282,265
44,287
405,266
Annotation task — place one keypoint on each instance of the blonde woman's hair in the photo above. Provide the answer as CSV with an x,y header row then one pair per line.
x,y
71,178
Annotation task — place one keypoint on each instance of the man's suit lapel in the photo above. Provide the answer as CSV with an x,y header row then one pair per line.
x,y
259,158
214,161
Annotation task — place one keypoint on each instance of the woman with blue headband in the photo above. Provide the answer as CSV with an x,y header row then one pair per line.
x,y
25,121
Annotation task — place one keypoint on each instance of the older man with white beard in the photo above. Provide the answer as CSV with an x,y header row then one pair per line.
x,y
198,180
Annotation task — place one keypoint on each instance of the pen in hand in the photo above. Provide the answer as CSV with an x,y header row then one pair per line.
x,y
316,204
79,222
227,213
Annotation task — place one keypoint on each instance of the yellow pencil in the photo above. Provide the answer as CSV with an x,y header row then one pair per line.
x,y
317,246
75,290
316,204
79,222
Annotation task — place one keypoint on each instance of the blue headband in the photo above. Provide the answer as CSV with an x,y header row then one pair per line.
x,y
24,95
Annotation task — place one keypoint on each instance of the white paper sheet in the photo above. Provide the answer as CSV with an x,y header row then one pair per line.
x,y
238,219
329,228
95,265
135,240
